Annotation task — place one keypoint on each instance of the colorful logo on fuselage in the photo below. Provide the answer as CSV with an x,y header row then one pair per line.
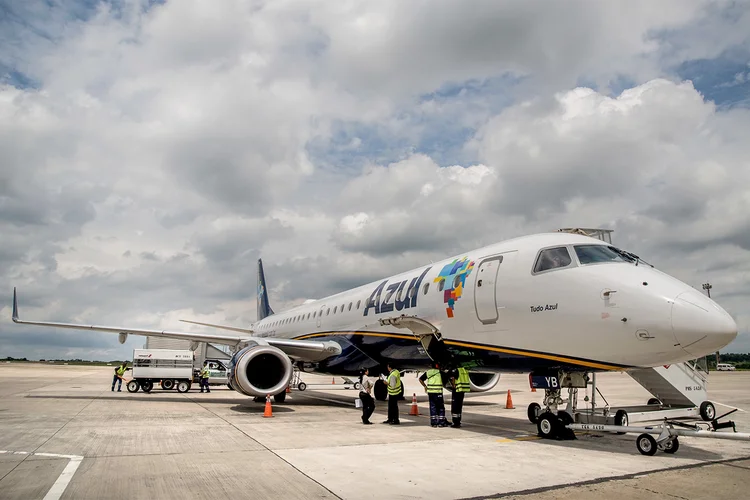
x,y
454,275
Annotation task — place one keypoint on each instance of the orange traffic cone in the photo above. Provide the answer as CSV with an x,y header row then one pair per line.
x,y
509,402
268,412
333,381
414,408
533,389
288,389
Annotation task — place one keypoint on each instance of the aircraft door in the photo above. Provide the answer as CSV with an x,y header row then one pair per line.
x,y
320,316
485,290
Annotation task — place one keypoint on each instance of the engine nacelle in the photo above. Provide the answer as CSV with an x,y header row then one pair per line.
x,y
481,382
260,370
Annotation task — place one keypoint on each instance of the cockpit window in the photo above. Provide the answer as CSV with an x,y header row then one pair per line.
x,y
593,254
552,258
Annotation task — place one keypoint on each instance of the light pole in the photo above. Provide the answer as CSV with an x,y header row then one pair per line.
x,y
707,287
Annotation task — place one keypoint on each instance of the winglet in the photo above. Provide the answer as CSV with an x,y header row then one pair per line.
x,y
15,306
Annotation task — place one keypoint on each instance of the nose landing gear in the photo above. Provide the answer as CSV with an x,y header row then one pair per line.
x,y
550,421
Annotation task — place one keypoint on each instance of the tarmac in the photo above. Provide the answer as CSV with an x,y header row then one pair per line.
x,y
64,434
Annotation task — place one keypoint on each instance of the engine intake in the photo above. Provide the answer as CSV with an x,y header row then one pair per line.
x,y
260,370
481,382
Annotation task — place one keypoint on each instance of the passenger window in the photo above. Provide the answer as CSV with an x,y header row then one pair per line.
x,y
441,284
358,303
350,306
328,311
456,281
426,288
552,258
334,309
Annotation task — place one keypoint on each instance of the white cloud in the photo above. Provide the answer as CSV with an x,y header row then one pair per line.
x,y
168,148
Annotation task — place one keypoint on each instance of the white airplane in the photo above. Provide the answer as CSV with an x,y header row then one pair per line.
x,y
558,304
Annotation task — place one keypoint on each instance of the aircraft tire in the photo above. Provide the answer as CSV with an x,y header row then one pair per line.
x,y
548,425
708,411
532,412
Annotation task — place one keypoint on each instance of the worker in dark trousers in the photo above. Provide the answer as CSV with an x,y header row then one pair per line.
x,y
393,382
204,377
119,373
461,385
434,388
365,395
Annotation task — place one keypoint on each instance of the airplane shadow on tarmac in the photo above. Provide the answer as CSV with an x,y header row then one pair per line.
x,y
510,428
487,425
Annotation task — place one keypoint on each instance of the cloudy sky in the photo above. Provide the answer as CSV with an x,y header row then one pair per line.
x,y
150,152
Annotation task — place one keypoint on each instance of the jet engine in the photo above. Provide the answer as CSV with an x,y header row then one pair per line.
x,y
259,370
481,382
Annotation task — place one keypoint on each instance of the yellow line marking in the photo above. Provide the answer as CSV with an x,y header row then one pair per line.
x,y
519,438
590,364
535,355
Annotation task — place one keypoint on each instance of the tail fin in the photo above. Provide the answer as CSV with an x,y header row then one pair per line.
x,y
264,309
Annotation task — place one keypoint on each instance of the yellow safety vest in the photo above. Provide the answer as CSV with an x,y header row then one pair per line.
x,y
205,372
394,391
463,384
434,381
121,370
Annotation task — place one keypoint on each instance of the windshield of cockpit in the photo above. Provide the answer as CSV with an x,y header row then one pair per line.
x,y
594,254
560,257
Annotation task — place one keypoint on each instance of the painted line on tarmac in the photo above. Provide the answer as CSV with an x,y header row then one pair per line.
x,y
58,488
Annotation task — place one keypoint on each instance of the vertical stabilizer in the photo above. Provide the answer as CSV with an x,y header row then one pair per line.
x,y
264,309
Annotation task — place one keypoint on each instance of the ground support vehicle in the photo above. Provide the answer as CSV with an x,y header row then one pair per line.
x,y
667,433
218,374
159,365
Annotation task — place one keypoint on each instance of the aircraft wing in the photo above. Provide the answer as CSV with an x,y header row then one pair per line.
x,y
301,349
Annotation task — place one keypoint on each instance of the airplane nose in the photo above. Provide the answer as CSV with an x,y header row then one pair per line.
x,y
700,325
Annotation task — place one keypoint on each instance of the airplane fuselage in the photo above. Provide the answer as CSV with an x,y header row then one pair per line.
x,y
501,309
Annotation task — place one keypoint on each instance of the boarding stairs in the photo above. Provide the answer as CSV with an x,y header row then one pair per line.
x,y
679,384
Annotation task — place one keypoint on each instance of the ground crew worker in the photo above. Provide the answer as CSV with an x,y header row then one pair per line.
x,y
119,372
365,395
393,382
204,377
461,385
434,388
